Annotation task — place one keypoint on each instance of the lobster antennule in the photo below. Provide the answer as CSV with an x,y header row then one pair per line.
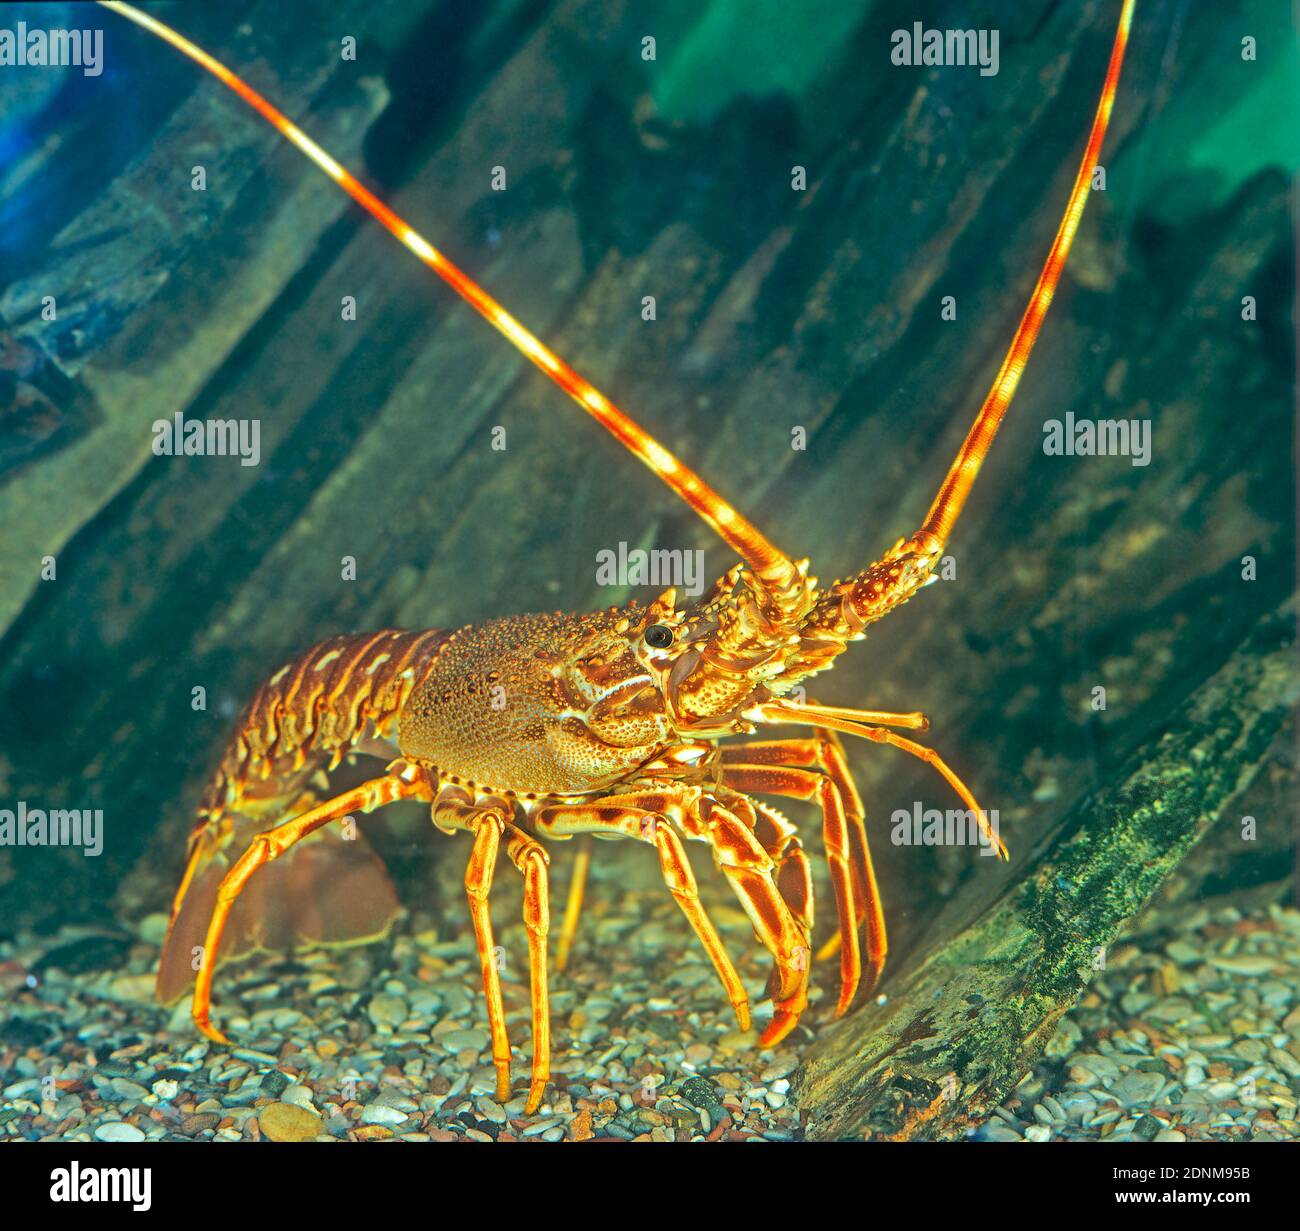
x,y
961,475
777,574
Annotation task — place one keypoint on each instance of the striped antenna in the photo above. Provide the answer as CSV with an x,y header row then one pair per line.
x,y
772,566
961,475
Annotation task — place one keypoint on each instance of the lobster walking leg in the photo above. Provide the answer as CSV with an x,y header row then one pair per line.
x,y
478,886
872,913
573,903
780,840
933,759
681,882
848,857
752,874
271,844
848,852
794,882
528,856
860,723
453,809
641,817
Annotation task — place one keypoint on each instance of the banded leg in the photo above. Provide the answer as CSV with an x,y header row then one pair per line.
x,y
780,839
936,762
642,817
765,769
454,809
731,830
871,907
862,724
825,753
527,855
407,783
573,903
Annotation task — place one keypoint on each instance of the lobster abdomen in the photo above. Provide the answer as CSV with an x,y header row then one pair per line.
x,y
341,696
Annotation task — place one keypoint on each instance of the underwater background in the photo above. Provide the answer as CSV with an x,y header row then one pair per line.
x,y
1136,890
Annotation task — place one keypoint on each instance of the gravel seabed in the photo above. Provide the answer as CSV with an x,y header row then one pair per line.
x,y
1182,1037
1186,1036
390,1041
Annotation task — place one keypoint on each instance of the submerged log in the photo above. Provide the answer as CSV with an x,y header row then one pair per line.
x,y
973,1011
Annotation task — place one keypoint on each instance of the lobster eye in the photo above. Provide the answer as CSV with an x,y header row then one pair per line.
x,y
659,636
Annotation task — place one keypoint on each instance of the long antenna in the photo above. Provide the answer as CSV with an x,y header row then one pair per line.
x,y
780,578
961,475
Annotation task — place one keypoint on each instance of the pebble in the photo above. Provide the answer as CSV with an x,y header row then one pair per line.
x,y
1147,1128
153,929
1166,980
275,1083
1090,1070
382,1113
1065,1040
465,1040
1244,964
287,1122
250,1056
387,1011
490,1109
1137,1088
1286,1061
128,1089
116,1130
299,1096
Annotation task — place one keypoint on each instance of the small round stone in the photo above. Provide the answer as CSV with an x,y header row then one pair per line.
x,y
118,1130
287,1122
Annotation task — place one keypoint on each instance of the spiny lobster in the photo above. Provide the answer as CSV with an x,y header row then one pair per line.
x,y
609,723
